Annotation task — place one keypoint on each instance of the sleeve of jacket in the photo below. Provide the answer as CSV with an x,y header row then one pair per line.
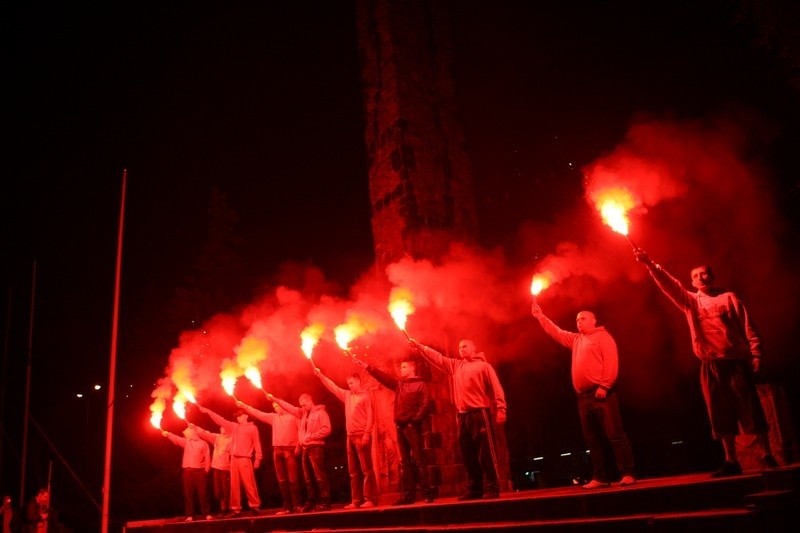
x,y
206,435
261,415
227,424
497,388
206,457
443,363
561,336
383,378
746,324
370,414
424,404
333,387
610,371
176,440
670,286
257,443
289,408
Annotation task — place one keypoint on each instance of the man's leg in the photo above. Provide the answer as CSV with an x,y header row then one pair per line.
x,y
370,486
467,437
354,469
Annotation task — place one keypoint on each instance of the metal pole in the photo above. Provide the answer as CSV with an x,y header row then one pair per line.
x,y
112,370
24,458
4,373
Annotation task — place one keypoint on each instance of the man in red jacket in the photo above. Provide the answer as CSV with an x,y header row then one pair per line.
x,y
595,365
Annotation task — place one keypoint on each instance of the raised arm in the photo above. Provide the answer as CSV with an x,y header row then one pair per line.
x,y
289,408
561,336
435,358
665,281
330,385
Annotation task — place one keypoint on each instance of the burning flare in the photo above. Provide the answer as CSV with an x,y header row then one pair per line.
x,y
540,282
309,338
400,306
254,376
229,374
179,406
157,412
614,205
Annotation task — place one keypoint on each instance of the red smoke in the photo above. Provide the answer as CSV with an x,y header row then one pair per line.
x,y
702,200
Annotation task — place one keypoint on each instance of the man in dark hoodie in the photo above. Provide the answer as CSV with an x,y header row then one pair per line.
x,y
595,364
477,393
412,405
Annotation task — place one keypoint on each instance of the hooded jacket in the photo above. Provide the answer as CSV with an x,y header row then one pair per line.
x,y
315,425
412,401
284,426
595,361
718,322
475,383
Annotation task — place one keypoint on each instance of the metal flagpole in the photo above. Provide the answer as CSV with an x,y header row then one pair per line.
x,y
24,458
113,363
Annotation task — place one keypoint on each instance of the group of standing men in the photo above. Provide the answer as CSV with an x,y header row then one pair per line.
x,y
722,336
299,433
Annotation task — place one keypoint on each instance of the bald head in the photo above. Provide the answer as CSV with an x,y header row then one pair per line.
x,y
586,321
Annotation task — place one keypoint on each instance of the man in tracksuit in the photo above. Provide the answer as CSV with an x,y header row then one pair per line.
x,y
476,393
284,442
245,444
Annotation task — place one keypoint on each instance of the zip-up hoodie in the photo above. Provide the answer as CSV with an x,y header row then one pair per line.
x,y
595,361
475,383
412,401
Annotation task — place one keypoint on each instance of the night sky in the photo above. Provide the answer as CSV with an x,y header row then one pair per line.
x,y
257,106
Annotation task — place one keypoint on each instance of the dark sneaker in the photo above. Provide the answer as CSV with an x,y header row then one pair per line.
x,y
768,461
596,484
470,496
728,469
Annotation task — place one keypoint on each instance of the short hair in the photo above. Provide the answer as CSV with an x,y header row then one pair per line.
x,y
354,376
306,395
707,267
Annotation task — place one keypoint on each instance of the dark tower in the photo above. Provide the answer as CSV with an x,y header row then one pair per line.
x,y
420,181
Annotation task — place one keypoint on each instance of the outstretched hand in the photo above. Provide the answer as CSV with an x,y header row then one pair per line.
x,y
414,344
317,371
642,257
239,404
536,310
358,362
